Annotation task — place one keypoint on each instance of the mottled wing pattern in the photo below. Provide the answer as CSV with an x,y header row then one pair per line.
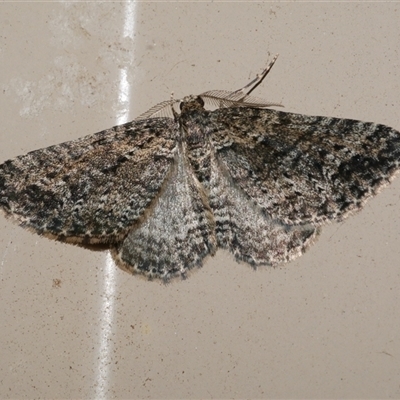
x,y
246,230
303,169
178,232
90,190
163,193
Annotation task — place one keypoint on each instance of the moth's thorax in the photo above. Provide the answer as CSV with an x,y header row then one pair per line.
x,y
193,122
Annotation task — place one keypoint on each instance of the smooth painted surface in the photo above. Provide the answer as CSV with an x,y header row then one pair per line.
x,y
75,326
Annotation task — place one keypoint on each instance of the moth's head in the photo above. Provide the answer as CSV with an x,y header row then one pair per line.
x,y
191,103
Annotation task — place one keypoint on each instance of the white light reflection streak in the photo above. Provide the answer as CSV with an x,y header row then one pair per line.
x,y
108,307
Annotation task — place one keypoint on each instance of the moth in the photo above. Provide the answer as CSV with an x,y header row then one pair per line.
x,y
169,188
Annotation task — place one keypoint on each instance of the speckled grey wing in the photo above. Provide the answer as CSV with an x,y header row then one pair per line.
x,y
90,190
178,233
303,169
246,230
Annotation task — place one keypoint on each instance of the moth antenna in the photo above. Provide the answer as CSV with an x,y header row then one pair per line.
x,y
257,80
